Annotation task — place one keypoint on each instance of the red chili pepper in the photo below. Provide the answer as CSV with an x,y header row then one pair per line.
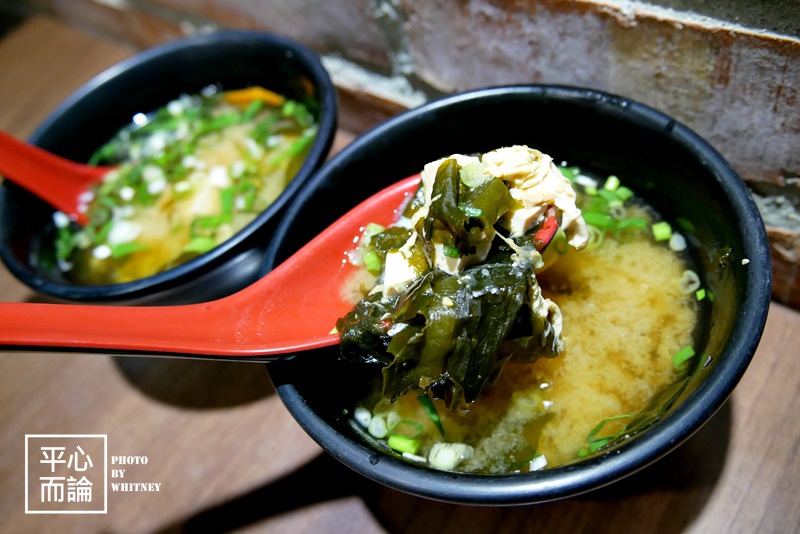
x,y
546,231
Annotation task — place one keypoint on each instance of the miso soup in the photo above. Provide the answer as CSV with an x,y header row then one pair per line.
x,y
187,178
627,310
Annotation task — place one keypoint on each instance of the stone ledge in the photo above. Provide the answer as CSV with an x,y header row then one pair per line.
x,y
736,86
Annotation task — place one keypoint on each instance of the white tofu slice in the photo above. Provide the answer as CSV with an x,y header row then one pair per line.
x,y
454,265
398,273
518,222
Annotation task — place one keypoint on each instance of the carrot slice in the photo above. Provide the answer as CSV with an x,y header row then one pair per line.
x,y
243,97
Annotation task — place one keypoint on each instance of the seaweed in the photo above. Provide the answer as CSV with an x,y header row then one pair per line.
x,y
450,334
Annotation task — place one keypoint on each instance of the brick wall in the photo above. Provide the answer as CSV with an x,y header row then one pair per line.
x,y
730,70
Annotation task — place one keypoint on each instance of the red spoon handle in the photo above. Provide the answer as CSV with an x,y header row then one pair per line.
x,y
208,329
56,180
291,309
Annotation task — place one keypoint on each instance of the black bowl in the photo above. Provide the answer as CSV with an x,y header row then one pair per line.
x,y
143,83
662,160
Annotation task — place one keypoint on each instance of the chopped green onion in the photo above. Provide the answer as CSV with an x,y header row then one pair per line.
x,y
142,195
200,244
373,229
710,295
596,430
560,243
685,224
623,193
469,210
472,174
450,251
123,249
252,109
591,190
403,444
220,122
106,153
689,282
102,233
610,197
65,243
406,428
263,130
377,427
594,442
211,221
289,108
108,201
294,149
617,211
249,198
662,231
596,237
430,409
302,115
682,356
372,261
600,220
700,294
570,173
226,200
632,222
612,183
627,234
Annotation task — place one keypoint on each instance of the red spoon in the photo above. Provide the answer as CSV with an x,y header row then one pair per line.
x,y
58,181
293,308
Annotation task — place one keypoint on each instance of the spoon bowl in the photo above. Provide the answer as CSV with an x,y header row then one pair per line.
x,y
257,323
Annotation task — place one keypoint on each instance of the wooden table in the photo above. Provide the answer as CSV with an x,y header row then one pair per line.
x,y
228,455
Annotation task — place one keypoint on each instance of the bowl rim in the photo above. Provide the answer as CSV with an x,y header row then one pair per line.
x,y
626,459
142,287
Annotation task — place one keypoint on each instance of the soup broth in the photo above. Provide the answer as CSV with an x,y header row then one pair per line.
x,y
625,316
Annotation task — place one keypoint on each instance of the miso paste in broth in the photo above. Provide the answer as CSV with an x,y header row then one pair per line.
x,y
189,177
626,313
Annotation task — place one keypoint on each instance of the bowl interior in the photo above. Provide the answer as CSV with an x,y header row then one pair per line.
x,y
144,83
667,164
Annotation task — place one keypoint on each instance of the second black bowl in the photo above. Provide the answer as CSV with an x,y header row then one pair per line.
x,y
143,83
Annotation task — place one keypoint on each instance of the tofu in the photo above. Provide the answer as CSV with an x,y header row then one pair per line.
x,y
518,222
446,263
398,273
398,269
535,182
454,265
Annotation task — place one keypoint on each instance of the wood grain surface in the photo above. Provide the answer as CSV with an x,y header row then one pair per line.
x,y
230,457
